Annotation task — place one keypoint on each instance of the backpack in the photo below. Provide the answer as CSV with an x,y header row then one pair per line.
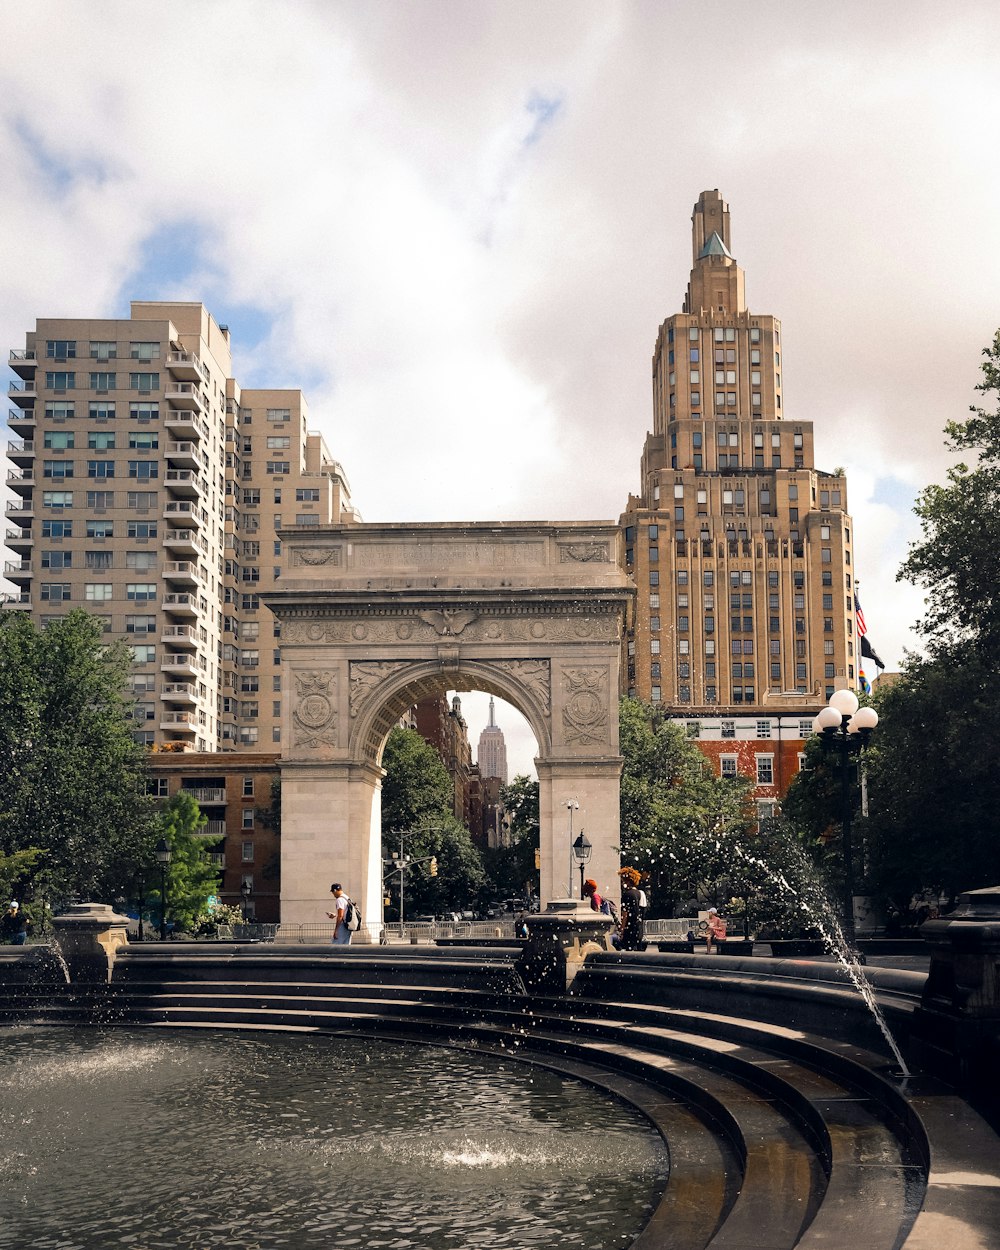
x,y
609,909
352,916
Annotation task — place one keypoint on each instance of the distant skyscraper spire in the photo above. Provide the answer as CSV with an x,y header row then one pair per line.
x,y
492,753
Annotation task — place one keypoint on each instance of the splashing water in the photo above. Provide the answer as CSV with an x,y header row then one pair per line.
x,y
812,900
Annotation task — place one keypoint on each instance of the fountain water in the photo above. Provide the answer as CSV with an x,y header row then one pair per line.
x,y
267,1140
810,897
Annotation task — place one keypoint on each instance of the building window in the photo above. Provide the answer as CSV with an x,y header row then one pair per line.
x,y
57,529
277,466
99,559
248,814
246,855
763,729
279,414
729,729
102,381
98,592
57,468
144,381
142,410
140,592
100,468
727,766
59,380
765,770
55,592
144,351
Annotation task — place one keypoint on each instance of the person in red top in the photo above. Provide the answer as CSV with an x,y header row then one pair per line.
x,y
716,933
590,891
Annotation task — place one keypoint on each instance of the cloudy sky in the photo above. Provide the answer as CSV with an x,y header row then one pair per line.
x,y
457,224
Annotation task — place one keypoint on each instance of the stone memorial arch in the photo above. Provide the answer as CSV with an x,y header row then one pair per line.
x,y
376,617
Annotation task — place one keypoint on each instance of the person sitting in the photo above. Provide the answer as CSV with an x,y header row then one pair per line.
x,y
716,932
590,891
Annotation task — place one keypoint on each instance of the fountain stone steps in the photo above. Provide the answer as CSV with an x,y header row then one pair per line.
x,y
786,1155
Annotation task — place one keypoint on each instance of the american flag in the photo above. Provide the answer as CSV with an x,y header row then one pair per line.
x,y
860,616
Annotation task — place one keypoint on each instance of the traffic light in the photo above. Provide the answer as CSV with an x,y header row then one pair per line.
x,y
538,859
434,866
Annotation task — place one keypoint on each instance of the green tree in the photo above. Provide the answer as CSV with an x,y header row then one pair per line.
x,y
416,783
510,870
417,810
191,877
934,792
72,780
677,817
957,558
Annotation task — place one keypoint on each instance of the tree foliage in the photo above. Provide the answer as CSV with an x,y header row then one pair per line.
x,y
191,877
935,791
72,780
957,558
417,811
416,782
933,782
677,817
510,870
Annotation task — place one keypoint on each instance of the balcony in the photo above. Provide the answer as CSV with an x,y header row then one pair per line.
x,y
179,722
213,830
207,794
184,454
18,571
20,511
179,636
179,692
183,482
183,512
16,538
179,665
179,605
21,450
186,542
185,395
181,572
21,480
24,393
186,365
21,422
23,362
185,425
22,601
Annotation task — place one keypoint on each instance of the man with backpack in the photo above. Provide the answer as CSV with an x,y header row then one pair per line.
x,y
347,916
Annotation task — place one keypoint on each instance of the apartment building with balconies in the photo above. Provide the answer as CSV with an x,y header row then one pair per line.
x,y
137,494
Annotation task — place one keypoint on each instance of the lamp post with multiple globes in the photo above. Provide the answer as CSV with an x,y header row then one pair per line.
x,y
845,729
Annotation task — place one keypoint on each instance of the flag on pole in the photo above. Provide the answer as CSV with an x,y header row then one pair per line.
x,y
859,616
864,685
869,652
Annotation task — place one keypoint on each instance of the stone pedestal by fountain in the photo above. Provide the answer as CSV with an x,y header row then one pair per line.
x,y
88,936
559,940
958,1020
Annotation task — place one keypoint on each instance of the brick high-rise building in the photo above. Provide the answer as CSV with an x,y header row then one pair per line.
x,y
150,489
740,547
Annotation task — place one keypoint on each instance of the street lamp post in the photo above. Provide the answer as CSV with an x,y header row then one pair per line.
x,y
582,850
246,889
164,855
571,806
844,730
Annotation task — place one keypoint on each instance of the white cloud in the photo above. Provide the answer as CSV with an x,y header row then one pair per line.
x,y
471,282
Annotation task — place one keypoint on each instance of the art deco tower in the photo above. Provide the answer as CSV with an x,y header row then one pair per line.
x,y
740,547
492,753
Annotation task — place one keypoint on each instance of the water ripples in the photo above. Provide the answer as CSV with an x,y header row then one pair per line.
x,y
206,1140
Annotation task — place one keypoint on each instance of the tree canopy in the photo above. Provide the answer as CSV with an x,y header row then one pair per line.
x,y
933,785
72,779
677,816
191,877
417,811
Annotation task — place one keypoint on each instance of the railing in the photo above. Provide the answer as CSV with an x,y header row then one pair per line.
x,y
26,354
16,446
18,535
375,933
184,536
207,794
